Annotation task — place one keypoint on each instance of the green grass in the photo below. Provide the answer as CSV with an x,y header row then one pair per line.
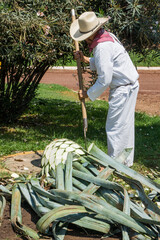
x,y
56,113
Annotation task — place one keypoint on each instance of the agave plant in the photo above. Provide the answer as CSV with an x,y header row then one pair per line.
x,y
56,152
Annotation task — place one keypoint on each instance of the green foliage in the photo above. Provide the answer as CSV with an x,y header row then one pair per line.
x,y
135,22
34,34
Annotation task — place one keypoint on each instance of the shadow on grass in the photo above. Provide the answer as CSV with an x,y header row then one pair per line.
x,y
62,118
147,140
50,119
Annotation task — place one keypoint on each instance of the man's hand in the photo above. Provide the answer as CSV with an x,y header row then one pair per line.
x,y
79,54
82,94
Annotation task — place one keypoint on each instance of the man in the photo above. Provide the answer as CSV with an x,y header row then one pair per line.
x,y
116,71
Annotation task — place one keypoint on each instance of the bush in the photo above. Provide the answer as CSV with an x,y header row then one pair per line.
x,y
135,22
34,34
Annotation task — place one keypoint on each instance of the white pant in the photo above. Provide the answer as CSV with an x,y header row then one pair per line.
x,y
120,120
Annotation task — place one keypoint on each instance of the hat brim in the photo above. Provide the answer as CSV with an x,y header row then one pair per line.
x,y
80,36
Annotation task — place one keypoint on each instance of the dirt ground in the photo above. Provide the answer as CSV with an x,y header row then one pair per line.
x,y
148,101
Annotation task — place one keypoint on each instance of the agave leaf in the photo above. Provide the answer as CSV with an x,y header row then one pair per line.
x,y
152,195
59,230
26,194
59,153
70,149
146,221
64,146
94,224
105,160
37,188
126,209
46,170
54,150
45,161
42,160
137,212
2,207
48,203
78,184
81,168
104,174
16,218
32,199
96,180
91,168
60,176
88,220
75,145
49,151
127,203
58,143
58,213
42,171
107,211
40,209
125,233
92,187
16,205
68,172
51,160
64,157
26,231
79,151
58,161
52,173
151,208
5,190
52,167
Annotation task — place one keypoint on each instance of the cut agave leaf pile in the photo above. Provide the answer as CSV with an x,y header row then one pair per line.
x,y
73,191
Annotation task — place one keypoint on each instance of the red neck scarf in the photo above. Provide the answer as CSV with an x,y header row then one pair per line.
x,y
102,36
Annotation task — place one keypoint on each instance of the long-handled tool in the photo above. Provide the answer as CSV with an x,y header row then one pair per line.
x,y
80,78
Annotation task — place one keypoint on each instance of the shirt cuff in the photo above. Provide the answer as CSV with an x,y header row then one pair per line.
x,y
92,64
91,95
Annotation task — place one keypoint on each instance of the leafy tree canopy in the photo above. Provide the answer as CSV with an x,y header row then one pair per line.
x,y
34,34
34,30
135,22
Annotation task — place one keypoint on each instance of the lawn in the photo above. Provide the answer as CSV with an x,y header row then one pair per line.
x,y
56,113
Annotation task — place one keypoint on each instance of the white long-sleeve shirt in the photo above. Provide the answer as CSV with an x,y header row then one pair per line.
x,y
114,68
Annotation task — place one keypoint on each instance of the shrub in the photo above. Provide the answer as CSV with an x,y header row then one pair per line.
x,y
34,34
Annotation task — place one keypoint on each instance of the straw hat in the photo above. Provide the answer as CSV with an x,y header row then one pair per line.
x,y
86,25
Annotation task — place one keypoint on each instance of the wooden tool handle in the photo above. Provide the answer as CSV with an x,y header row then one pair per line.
x,y
80,78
